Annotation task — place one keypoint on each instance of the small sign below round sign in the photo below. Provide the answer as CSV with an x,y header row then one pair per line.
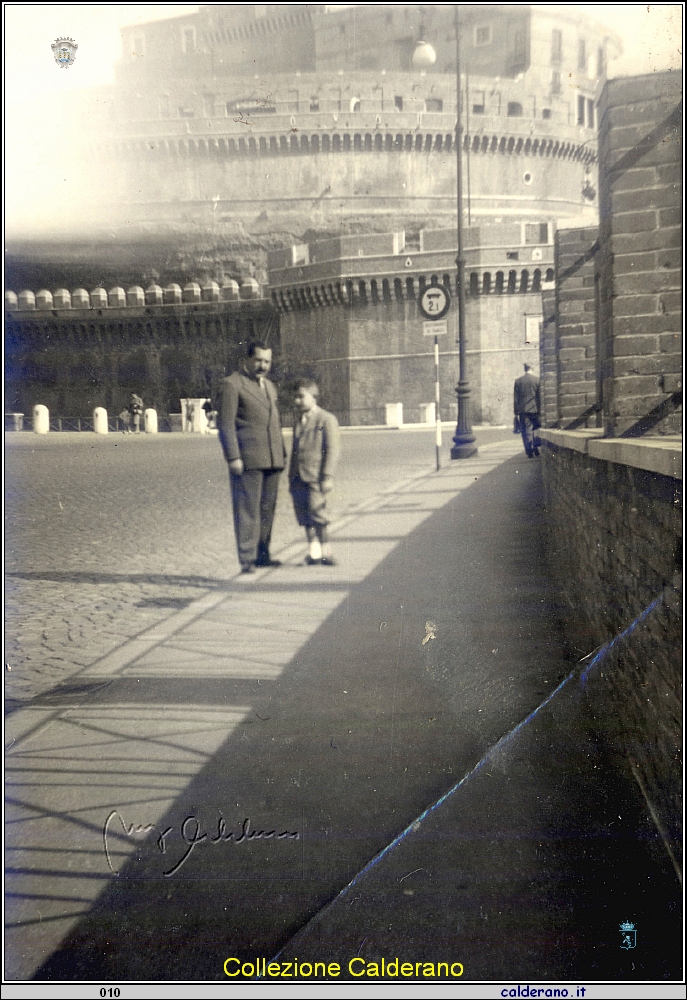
x,y
434,301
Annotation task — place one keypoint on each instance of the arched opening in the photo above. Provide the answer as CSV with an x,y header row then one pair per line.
x,y
518,148
410,288
524,281
474,283
502,144
428,144
388,142
475,144
263,146
368,142
336,144
379,142
398,143
446,281
362,291
498,287
408,143
418,143
549,274
357,142
314,144
511,144
398,289
274,145
252,147
305,145
439,143
283,144
294,143
347,143
326,143
512,278
448,143
486,283
386,291
374,291
536,281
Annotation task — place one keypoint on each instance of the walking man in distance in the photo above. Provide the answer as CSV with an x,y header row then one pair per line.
x,y
526,405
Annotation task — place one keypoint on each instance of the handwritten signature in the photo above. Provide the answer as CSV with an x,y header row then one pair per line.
x,y
191,833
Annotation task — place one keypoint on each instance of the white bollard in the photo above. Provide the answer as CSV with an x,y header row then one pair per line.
x,y
428,413
394,414
100,420
150,421
41,419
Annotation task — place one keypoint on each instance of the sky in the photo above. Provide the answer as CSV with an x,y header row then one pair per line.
x,y
651,34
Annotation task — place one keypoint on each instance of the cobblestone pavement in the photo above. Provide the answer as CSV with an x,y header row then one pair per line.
x,y
107,536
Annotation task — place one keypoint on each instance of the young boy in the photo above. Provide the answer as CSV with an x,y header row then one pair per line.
x,y
313,462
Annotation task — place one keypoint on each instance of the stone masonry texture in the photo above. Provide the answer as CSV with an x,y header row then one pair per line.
x,y
615,547
639,263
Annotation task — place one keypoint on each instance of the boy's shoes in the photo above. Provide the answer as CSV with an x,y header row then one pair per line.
x,y
309,561
247,568
328,561
267,562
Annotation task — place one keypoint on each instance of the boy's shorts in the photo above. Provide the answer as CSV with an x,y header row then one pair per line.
x,y
309,503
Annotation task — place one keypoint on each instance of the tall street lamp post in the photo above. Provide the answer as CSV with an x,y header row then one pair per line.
x,y
463,440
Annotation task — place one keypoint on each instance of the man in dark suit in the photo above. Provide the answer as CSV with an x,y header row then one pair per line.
x,y
251,438
526,405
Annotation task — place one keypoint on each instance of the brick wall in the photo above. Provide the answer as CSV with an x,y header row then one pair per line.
x,y
575,250
615,541
640,180
548,364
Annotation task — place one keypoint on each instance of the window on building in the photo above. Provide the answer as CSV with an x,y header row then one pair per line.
x,y
582,55
600,61
188,39
556,46
314,103
478,102
533,329
580,109
512,255
536,232
518,55
354,104
546,113
514,109
555,82
434,104
482,35
590,113
398,102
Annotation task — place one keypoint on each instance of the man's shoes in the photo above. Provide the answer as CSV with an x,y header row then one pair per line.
x,y
247,568
309,561
267,562
328,561
536,452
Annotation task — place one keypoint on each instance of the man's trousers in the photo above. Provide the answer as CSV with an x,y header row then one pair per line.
x,y
254,498
529,423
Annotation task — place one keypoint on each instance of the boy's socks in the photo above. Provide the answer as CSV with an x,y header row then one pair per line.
x,y
315,549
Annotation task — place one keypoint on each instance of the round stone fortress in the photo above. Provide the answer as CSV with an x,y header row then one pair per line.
x,y
292,117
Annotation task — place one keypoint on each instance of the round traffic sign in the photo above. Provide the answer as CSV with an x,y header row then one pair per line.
x,y
435,301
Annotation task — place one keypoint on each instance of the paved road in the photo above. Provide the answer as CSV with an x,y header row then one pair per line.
x,y
107,535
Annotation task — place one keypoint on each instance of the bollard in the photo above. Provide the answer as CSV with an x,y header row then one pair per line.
x,y
150,421
428,413
394,414
41,419
100,420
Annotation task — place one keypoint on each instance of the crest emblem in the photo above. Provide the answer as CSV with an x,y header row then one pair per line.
x,y
628,933
64,51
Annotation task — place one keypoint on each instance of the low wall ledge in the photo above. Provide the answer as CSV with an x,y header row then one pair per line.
x,y
661,455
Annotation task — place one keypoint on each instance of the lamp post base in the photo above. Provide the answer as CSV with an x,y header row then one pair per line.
x,y
463,450
463,440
